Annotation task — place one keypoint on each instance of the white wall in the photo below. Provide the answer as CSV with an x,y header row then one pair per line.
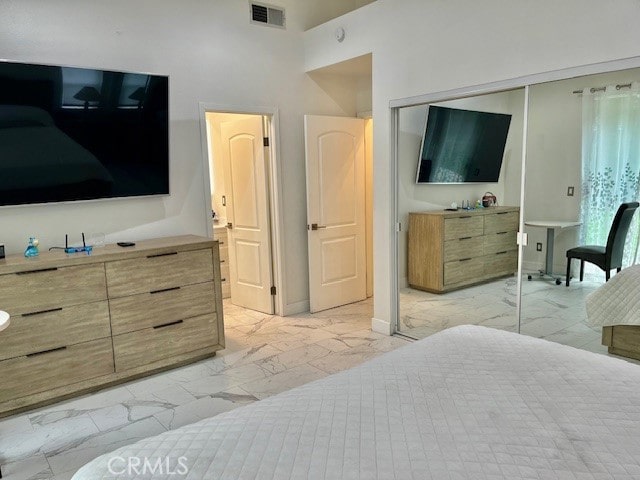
x,y
425,47
212,54
348,84
417,198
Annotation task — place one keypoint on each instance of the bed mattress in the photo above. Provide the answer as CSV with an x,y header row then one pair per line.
x,y
617,302
469,402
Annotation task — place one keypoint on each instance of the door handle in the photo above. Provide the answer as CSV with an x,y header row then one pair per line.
x,y
229,225
315,226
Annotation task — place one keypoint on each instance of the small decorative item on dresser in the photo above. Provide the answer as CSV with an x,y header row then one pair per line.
x,y
4,320
32,248
489,200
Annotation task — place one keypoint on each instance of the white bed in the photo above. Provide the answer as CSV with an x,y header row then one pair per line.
x,y
469,402
617,302
615,306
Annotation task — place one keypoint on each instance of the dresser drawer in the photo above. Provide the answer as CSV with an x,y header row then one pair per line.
x,y
224,254
146,310
463,270
47,329
26,375
135,349
465,226
159,271
466,247
44,289
220,232
501,263
501,222
500,242
224,274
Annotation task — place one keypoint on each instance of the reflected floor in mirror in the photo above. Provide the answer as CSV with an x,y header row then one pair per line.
x,y
549,311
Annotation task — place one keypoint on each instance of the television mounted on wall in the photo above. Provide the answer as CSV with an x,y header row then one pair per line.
x,y
461,146
69,134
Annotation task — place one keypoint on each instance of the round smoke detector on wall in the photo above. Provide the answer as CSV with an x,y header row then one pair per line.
x,y
339,34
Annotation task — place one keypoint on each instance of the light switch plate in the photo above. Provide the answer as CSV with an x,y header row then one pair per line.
x,y
522,238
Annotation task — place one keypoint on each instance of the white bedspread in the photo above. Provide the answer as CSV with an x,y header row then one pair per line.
x,y
470,402
617,302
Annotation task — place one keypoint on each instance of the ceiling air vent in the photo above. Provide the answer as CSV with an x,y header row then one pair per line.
x,y
267,15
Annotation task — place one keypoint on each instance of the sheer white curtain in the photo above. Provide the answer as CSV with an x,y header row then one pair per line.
x,y
610,162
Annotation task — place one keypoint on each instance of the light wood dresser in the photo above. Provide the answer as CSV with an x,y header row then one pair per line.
x,y
81,322
450,250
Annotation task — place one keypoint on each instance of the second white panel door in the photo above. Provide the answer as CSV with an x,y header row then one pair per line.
x,y
335,210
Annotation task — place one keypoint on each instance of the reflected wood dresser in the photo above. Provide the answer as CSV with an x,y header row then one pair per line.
x,y
81,322
448,250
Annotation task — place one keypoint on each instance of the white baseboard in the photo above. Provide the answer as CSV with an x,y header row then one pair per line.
x,y
381,326
296,308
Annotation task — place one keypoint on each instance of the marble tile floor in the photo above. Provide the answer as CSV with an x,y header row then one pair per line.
x,y
549,311
264,355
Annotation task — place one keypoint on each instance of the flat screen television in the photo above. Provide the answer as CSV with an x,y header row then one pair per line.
x,y
71,134
461,146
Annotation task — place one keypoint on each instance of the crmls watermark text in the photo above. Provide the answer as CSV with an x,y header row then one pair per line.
x,y
144,465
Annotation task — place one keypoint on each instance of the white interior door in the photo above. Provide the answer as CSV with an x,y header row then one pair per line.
x,y
335,210
248,230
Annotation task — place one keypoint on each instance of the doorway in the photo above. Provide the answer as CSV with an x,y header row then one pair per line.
x,y
241,165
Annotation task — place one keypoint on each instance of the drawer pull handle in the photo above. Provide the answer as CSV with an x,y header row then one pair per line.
x,y
502,233
162,254
177,322
220,242
501,253
223,279
27,272
465,238
466,216
30,314
465,259
222,261
46,351
164,290
503,213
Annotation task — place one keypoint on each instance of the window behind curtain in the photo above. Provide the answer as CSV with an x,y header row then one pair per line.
x,y
610,163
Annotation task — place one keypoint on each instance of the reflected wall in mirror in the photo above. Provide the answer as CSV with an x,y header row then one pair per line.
x,y
441,286
575,144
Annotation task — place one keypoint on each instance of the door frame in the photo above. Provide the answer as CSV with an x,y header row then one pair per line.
x,y
275,186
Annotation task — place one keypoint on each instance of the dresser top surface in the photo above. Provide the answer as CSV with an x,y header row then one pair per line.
x,y
110,252
466,213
